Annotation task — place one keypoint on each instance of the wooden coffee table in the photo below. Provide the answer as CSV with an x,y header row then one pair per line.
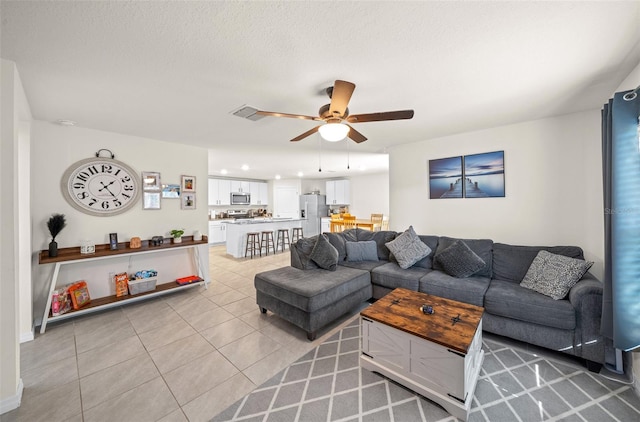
x,y
437,355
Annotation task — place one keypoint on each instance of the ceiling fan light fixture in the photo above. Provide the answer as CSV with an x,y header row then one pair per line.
x,y
334,132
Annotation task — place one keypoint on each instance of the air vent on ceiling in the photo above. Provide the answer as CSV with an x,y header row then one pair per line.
x,y
247,112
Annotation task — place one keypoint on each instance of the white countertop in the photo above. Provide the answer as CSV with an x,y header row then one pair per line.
x,y
260,220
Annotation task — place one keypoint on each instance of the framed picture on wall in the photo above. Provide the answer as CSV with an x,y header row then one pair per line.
x,y
150,200
188,201
445,178
150,180
171,191
484,175
188,184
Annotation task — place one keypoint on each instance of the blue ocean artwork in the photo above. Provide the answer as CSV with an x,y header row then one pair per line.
x,y
484,175
445,175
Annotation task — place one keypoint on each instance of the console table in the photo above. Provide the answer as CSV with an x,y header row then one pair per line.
x,y
72,255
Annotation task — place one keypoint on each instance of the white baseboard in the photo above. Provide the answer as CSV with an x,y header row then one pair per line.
x,y
28,336
13,402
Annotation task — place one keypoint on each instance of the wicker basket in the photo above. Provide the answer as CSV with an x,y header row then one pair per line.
x,y
142,285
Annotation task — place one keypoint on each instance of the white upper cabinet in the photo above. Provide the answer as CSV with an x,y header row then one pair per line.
x,y
219,192
240,186
338,192
259,195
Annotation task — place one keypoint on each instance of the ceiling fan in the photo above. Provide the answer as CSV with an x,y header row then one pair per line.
x,y
336,116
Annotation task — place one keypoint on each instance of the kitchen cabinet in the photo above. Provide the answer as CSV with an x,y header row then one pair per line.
x,y
217,232
259,195
219,192
240,186
325,225
338,192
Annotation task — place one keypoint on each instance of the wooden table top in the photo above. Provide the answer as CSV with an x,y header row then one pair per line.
x,y
453,324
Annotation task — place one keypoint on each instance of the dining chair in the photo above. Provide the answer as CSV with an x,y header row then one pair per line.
x,y
348,222
376,219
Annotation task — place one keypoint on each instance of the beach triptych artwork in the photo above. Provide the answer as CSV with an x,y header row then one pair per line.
x,y
471,176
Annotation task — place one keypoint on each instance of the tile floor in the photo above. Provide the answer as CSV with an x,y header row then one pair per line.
x,y
182,357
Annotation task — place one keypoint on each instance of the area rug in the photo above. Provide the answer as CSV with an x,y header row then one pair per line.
x,y
327,384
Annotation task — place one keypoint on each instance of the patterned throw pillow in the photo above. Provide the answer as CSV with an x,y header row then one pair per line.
x,y
554,275
459,261
325,254
408,248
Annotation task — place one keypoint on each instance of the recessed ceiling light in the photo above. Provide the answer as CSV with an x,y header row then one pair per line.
x,y
245,167
223,171
277,177
64,122
300,174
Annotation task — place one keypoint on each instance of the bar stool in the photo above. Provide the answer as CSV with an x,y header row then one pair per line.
x,y
267,241
296,234
282,239
253,244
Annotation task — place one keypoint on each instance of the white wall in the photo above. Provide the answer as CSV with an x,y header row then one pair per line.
x,y
369,195
14,219
553,180
55,148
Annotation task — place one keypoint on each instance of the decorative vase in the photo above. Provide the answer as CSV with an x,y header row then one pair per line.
x,y
177,240
197,236
53,248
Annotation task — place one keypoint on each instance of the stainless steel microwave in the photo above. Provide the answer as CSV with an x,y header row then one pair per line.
x,y
240,198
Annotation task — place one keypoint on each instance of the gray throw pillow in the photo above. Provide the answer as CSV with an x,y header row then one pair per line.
x,y
554,275
459,261
325,254
362,251
408,248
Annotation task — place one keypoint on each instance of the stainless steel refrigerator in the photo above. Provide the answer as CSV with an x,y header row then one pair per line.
x,y
312,209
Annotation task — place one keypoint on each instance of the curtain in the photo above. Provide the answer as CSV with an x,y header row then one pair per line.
x,y
621,179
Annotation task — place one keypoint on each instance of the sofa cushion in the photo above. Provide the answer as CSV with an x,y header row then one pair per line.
x,y
381,238
311,290
363,265
507,299
511,262
459,261
362,251
468,290
554,275
390,275
408,249
324,254
481,247
301,253
427,261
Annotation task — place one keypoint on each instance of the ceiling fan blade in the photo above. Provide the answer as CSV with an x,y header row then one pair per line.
x,y
355,135
293,116
304,135
377,117
340,97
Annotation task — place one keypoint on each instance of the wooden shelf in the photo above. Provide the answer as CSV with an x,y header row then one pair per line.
x,y
72,255
102,251
112,301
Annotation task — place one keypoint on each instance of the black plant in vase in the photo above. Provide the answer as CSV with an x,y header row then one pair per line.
x,y
55,224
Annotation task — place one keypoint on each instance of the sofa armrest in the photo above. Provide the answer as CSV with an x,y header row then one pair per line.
x,y
588,285
586,298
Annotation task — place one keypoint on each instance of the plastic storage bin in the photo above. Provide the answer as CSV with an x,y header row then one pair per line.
x,y
142,285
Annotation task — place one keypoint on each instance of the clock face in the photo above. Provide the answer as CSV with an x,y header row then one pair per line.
x,y
101,186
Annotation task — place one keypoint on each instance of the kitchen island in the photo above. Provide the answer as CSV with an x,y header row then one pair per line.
x,y
237,231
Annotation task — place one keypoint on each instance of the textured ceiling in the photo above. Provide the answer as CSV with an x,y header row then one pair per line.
x,y
175,70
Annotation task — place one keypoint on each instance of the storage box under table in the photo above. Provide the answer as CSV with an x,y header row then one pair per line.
x,y
142,285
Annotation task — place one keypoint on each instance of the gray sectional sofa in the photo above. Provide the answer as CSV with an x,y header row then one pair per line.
x,y
311,297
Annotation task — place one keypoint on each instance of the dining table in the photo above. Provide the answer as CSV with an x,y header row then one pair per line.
x,y
338,224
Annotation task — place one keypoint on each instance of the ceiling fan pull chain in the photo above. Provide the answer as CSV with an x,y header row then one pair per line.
x,y
348,156
319,153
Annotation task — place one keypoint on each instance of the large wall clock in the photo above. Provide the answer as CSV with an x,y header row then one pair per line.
x,y
101,186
